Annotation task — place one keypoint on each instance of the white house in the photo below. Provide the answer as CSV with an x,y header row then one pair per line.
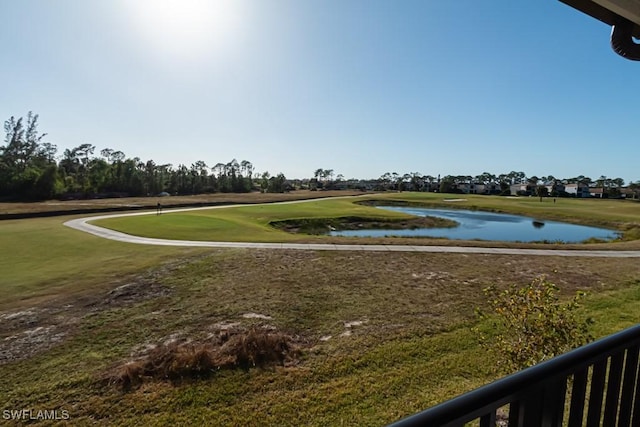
x,y
518,188
577,190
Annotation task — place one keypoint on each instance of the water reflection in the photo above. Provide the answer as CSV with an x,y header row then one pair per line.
x,y
479,225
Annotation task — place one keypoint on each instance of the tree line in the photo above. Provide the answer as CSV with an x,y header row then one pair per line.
x,y
491,183
29,170
449,183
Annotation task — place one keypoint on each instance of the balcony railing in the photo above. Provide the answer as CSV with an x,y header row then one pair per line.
x,y
594,385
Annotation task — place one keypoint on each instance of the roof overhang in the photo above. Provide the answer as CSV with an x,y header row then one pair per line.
x,y
610,11
622,15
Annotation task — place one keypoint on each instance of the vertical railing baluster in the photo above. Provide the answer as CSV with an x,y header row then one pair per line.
x,y
514,414
554,397
488,420
613,389
635,418
532,408
597,391
628,386
578,393
605,390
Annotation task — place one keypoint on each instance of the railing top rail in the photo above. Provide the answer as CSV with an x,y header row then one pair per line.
x,y
513,384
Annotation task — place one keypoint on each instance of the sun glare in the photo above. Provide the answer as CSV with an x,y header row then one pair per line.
x,y
186,29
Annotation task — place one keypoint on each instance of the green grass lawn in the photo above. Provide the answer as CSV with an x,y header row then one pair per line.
x,y
414,347
41,257
251,223
247,223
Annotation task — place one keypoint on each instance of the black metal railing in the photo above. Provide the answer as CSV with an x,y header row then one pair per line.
x,y
594,385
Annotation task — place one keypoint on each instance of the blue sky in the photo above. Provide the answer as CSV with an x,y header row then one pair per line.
x,y
362,87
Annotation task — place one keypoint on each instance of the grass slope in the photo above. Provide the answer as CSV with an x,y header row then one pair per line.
x,y
413,348
42,258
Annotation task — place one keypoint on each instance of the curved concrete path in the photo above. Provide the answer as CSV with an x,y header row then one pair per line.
x,y
82,224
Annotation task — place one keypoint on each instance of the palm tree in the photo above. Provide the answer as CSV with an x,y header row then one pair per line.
x,y
328,173
429,179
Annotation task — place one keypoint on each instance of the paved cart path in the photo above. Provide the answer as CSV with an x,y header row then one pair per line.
x,y
82,224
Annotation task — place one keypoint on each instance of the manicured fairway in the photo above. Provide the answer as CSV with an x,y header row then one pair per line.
x,y
251,223
239,224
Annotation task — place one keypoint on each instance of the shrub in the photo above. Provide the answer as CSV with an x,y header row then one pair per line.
x,y
532,325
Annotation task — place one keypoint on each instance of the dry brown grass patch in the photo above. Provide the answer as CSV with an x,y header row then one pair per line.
x,y
178,361
258,347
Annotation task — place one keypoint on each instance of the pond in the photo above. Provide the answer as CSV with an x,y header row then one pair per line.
x,y
480,225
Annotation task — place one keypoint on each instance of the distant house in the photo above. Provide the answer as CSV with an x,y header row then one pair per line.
x,y
555,187
597,192
491,188
521,189
610,192
464,187
577,190
627,193
478,188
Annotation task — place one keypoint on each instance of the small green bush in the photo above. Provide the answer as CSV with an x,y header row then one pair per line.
x,y
532,325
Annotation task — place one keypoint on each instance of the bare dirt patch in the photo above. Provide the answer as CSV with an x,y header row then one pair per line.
x,y
256,316
32,330
349,326
28,332
128,293
30,342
